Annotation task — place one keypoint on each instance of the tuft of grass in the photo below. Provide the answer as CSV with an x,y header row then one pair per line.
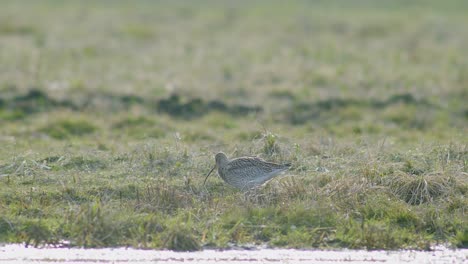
x,y
270,143
35,232
92,226
419,189
180,239
6,229
461,238
373,235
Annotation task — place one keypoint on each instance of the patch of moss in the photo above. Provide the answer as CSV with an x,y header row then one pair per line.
x,y
64,129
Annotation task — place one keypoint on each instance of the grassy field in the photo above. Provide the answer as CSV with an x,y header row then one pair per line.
x,y
111,113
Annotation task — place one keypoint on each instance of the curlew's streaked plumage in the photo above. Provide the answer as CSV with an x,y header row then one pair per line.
x,y
246,172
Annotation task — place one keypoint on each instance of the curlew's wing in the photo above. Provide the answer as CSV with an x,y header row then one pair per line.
x,y
255,165
249,172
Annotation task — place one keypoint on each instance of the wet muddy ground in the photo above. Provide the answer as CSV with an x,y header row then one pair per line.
x,y
21,254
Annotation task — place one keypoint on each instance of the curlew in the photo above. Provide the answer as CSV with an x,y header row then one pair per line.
x,y
246,172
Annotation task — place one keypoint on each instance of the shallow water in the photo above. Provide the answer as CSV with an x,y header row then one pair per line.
x,y
17,253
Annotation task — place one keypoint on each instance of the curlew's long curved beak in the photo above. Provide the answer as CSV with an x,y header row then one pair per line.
x,y
214,167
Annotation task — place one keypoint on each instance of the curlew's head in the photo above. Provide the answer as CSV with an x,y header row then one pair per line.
x,y
220,159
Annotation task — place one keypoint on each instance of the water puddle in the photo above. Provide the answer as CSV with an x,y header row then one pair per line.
x,y
17,253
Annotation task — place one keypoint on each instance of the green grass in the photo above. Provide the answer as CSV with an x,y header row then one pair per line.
x,y
111,113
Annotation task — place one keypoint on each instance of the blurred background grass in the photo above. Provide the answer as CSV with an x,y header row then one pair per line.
x,y
343,66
